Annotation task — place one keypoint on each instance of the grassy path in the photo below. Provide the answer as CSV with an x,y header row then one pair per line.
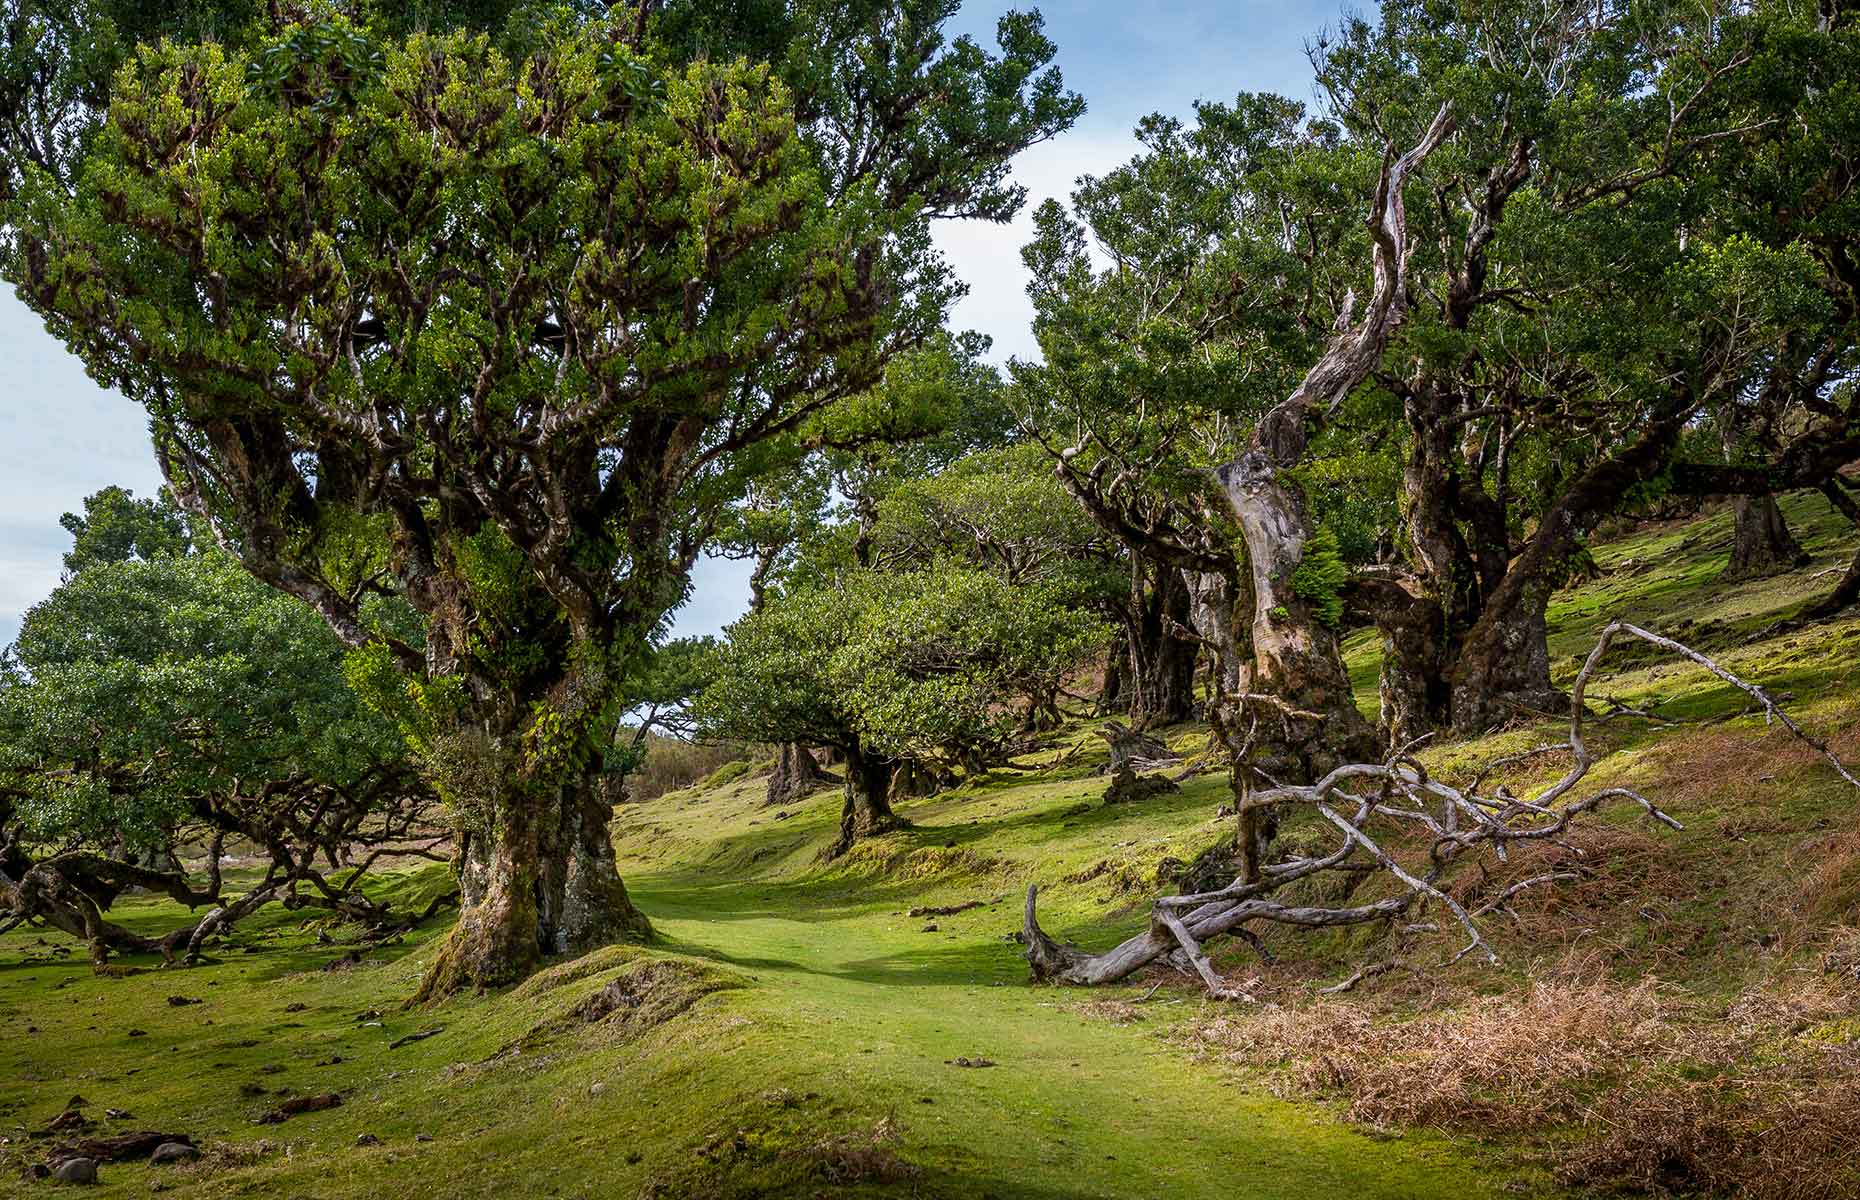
x,y
1077,1106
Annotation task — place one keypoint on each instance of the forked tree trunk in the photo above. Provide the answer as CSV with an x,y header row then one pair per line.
x,y
866,811
1296,657
1503,669
1161,680
1761,543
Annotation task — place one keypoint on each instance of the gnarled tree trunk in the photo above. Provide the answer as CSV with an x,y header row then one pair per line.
x,y
535,862
1847,591
1160,683
541,881
1295,654
1414,692
867,808
1504,664
1761,543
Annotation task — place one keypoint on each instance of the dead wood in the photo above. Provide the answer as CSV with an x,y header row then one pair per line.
x,y
1464,826
121,1147
299,1105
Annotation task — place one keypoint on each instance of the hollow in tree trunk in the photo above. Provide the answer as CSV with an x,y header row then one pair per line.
x,y
1761,543
867,808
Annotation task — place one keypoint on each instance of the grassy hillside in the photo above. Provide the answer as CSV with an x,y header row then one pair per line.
x,y
1685,1016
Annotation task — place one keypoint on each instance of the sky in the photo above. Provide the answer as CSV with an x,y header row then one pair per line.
x,y
62,437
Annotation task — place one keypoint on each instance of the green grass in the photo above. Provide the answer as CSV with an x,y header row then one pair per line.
x,y
796,1014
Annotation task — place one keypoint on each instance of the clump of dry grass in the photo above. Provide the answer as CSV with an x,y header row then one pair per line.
x,y
1790,1137
1501,1062
1616,1084
1830,883
861,1156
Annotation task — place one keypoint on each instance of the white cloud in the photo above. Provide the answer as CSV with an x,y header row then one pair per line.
x,y
61,438
987,256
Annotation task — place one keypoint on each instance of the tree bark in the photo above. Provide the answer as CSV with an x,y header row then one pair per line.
x,y
796,776
1761,543
1295,654
867,808
535,863
1847,591
1213,614
1161,681
1504,664
1415,695
1111,696
542,882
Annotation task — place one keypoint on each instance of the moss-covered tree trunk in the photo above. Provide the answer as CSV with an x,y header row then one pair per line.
x,y
1296,655
796,775
542,882
535,860
867,808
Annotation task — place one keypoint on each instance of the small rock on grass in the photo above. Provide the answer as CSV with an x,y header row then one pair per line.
x,y
367,1139
173,1152
965,1061
76,1170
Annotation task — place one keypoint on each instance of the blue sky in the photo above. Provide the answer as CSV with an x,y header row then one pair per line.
x,y
62,437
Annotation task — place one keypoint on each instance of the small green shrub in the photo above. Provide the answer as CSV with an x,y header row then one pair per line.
x,y
1320,576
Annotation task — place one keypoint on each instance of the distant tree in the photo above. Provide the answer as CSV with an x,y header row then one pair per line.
x,y
175,700
117,527
922,667
503,328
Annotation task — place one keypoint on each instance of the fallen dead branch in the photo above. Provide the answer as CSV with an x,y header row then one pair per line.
x,y
1461,826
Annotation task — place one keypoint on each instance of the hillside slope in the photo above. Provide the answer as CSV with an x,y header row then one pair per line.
x,y
1688,1010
